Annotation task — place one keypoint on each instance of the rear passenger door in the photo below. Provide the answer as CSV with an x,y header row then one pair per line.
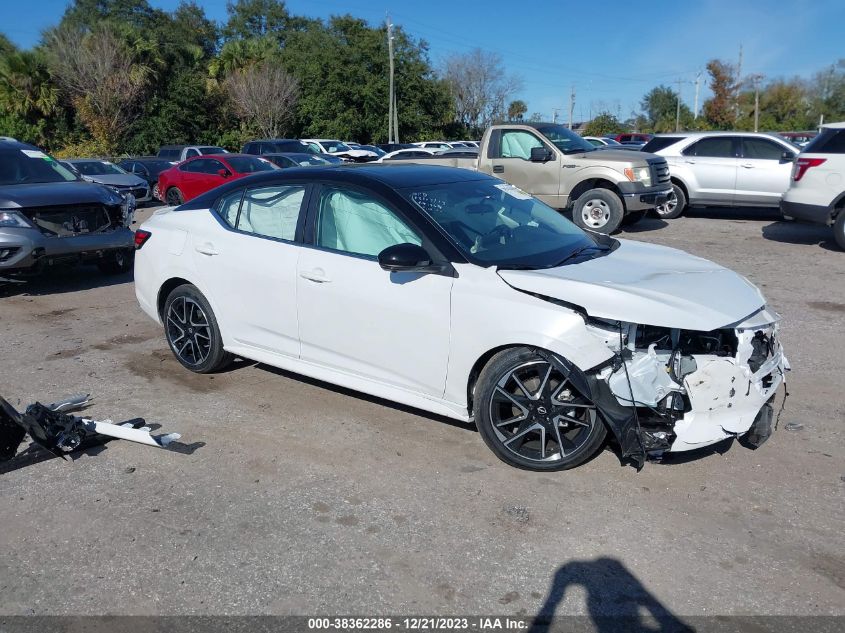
x,y
763,175
248,258
713,162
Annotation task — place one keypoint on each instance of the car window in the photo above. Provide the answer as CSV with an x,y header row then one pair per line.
x,y
191,152
228,206
713,147
250,164
660,142
354,222
271,211
202,166
830,141
761,148
518,144
169,154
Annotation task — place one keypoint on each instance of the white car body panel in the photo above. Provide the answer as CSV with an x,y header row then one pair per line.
x,y
354,153
416,339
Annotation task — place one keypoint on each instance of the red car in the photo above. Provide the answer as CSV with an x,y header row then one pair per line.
x,y
199,174
634,137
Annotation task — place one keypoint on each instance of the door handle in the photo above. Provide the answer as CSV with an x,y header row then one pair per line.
x,y
317,275
498,169
747,165
206,248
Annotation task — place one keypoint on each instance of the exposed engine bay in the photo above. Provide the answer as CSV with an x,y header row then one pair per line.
x,y
690,389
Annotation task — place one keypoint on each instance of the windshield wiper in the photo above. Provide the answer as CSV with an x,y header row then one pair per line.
x,y
579,251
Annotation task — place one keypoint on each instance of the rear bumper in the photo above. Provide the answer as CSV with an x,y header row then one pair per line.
x,y
814,213
29,248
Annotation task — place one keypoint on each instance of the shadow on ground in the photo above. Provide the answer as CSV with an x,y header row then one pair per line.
x,y
616,600
802,234
59,281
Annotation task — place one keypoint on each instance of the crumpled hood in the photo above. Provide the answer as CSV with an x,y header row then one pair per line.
x,y
56,193
118,180
647,284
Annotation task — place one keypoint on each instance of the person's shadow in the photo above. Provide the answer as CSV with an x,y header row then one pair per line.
x,y
616,600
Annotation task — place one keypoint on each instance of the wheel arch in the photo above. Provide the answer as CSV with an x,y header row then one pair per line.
x,y
595,182
680,182
166,288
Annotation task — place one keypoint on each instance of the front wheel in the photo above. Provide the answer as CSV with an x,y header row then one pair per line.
x,y
598,210
839,229
192,331
531,416
674,206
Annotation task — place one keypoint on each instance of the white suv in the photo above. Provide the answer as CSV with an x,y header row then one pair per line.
x,y
817,191
724,169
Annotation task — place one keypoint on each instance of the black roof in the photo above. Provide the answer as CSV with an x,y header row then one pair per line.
x,y
275,140
8,144
391,176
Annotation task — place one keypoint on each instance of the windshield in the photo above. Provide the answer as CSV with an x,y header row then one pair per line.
x,y
250,164
565,139
22,166
155,167
309,159
212,150
96,168
333,147
495,223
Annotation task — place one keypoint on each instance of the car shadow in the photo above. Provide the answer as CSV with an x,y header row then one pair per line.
x,y
801,234
60,280
646,224
762,214
616,600
467,426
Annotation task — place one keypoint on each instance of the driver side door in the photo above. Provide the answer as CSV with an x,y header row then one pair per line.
x,y
511,160
356,318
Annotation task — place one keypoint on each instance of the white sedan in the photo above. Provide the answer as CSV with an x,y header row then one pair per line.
x,y
461,295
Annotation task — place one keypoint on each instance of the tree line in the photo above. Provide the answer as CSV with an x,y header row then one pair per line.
x,y
776,104
122,77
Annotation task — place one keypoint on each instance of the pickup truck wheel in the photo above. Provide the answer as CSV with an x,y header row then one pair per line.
x,y
632,218
839,229
673,207
598,210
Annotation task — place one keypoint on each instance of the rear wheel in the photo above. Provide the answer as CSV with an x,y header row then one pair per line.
x,y
598,210
531,416
117,262
192,331
839,229
674,206
174,197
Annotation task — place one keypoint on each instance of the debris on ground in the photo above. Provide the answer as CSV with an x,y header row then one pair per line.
x,y
793,426
51,427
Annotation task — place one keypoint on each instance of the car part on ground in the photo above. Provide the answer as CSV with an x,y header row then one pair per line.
x,y
670,352
51,427
48,216
817,186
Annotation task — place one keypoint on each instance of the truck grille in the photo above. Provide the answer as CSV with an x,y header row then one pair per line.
x,y
660,173
75,220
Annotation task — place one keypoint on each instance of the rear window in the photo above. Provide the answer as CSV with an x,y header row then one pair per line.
x,y
660,142
248,164
212,150
830,141
169,154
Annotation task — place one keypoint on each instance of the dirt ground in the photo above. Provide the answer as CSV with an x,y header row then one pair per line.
x,y
296,497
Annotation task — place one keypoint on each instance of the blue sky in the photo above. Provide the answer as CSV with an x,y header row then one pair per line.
x,y
611,51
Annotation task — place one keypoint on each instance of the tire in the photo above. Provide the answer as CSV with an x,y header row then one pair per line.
x,y
839,229
598,210
117,262
672,208
156,192
517,405
632,218
174,197
192,332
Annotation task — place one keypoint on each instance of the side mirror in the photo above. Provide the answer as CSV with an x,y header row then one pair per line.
x,y
405,258
540,155
787,157
224,173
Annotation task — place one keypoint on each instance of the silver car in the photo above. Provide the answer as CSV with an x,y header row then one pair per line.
x,y
725,169
107,173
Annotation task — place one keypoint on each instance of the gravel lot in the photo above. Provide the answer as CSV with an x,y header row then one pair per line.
x,y
303,498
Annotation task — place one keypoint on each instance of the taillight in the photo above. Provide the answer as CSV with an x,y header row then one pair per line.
x,y
141,238
803,164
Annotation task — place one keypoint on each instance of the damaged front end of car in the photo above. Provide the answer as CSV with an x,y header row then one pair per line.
x,y
671,390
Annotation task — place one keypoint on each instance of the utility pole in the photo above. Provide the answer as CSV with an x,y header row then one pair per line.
x,y
738,79
554,115
697,86
755,79
390,108
571,105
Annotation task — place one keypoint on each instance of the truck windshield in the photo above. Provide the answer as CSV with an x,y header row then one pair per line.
x,y
494,223
565,139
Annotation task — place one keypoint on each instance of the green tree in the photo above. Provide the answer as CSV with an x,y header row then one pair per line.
x,y
6,45
604,123
517,110
720,110
261,18
29,100
660,107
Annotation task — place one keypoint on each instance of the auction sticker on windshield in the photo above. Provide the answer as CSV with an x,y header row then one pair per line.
x,y
516,192
32,153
